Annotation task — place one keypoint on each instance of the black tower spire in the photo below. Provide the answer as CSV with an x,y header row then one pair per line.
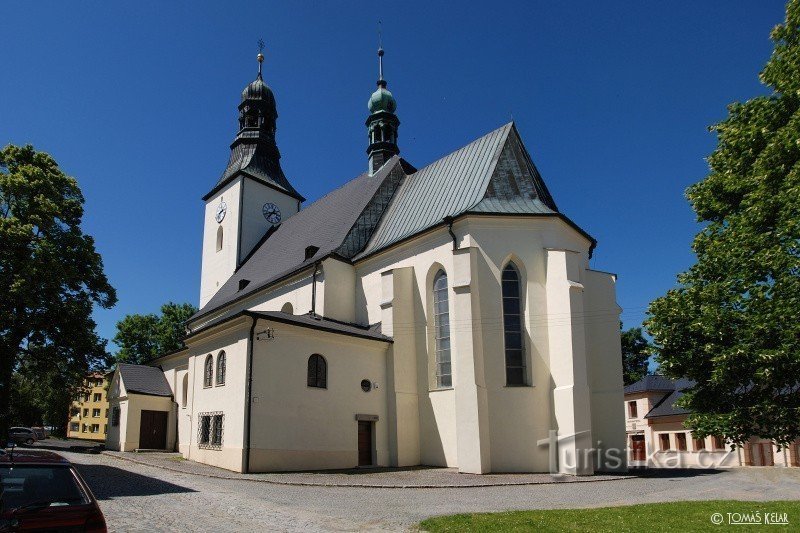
x,y
254,151
382,123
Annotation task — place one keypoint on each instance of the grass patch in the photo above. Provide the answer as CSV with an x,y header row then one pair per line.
x,y
677,516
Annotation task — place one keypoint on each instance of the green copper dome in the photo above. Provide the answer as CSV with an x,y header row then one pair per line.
x,y
382,100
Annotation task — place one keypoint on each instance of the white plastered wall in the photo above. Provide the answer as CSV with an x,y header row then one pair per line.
x,y
228,398
297,427
218,266
254,225
604,356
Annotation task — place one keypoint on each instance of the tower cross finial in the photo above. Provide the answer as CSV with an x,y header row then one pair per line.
x,y
260,55
380,52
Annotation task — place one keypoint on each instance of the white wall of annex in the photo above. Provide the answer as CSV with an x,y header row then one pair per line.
x,y
299,427
228,398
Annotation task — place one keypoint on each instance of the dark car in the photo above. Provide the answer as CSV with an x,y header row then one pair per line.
x,y
21,436
41,490
40,432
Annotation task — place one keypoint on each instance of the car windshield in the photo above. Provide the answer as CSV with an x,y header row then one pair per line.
x,y
38,487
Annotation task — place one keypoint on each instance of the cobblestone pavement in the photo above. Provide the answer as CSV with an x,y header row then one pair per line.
x,y
137,497
372,477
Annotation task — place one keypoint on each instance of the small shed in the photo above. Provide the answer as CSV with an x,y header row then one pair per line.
x,y
142,410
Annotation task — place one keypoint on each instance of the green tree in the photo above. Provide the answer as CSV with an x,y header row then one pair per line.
x,y
144,337
50,272
732,323
636,352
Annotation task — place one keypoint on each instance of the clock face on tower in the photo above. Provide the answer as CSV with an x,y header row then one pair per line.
x,y
222,208
271,213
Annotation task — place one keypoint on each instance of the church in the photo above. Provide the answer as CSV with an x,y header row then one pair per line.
x,y
444,315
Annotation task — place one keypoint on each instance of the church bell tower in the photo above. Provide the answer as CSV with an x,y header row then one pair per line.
x,y
252,196
382,123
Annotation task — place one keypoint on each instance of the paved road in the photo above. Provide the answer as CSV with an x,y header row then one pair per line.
x,y
143,498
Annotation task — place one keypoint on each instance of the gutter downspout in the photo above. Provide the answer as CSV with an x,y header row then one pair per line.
x,y
250,343
449,221
314,290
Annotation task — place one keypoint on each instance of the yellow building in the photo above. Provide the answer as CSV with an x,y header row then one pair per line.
x,y
88,417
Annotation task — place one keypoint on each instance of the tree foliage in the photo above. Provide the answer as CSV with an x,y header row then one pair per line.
x,y
51,275
144,337
732,324
636,352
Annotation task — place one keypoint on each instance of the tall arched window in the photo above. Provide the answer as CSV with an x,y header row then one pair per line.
x,y
512,326
185,391
441,328
219,238
209,371
221,368
317,372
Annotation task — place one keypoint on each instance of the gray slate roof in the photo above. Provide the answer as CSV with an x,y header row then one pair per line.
x,y
326,324
325,224
492,175
667,407
140,379
651,383
257,161
671,389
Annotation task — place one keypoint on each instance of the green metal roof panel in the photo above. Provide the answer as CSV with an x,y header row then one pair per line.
x,y
447,187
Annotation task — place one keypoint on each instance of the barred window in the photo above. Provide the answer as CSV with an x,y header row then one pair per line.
x,y
512,326
221,368
209,371
317,372
205,429
216,438
210,430
441,325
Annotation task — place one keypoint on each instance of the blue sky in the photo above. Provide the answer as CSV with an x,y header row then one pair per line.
x,y
613,100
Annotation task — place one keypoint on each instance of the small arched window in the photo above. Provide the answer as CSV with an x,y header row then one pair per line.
x,y
209,371
512,326
185,390
221,368
317,372
287,308
441,328
219,238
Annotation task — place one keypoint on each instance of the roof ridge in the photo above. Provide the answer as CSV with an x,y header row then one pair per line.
x,y
474,141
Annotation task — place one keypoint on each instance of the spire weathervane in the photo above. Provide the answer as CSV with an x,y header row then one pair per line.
x,y
260,55
381,81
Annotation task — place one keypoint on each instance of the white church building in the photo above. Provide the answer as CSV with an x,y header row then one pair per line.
x,y
442,316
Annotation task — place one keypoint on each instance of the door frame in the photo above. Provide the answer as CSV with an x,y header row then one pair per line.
x,y
154,426
371,425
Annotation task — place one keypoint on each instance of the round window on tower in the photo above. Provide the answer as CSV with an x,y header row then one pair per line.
x,y
366,385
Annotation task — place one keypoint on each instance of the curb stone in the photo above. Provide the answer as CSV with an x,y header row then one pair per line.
x,y
588,479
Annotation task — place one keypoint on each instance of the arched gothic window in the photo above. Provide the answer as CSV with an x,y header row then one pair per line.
x,y
441,328
221,368
317,372
209,371
512,326
219,238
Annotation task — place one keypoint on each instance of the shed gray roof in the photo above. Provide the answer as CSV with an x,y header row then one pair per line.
x,y
317,322
492,175
651,383
666,406
326,324
141,379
